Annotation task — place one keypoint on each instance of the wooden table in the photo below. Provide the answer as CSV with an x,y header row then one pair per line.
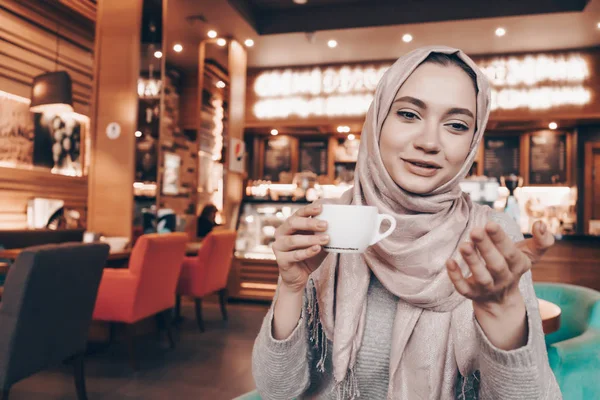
x,y
12,254
550,313
114,258
117,259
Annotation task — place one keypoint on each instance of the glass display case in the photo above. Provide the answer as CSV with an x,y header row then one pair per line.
x,y
257,224
265,207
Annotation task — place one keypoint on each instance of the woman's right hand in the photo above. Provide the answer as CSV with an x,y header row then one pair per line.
x,y
298,246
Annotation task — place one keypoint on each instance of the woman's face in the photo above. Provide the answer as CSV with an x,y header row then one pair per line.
x,y
427,133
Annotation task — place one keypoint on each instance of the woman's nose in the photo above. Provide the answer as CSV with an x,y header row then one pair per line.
x,y
428,140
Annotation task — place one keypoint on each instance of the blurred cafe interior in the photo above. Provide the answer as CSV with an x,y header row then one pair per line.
x,y
186,132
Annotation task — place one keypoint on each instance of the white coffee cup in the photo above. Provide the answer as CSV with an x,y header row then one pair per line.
x,y
352,229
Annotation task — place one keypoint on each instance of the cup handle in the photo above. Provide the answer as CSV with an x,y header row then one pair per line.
x,y
380,236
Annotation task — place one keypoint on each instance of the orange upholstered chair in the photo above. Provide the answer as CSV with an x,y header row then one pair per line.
x,y
144,289
207,272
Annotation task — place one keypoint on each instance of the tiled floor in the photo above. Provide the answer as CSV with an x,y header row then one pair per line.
x,y
214,365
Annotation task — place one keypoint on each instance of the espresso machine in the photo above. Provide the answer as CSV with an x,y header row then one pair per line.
x,y
512,182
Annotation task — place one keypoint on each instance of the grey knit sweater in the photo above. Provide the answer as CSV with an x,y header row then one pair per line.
x,y
286,369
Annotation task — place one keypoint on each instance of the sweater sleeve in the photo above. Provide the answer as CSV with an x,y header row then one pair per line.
x,y
522,373
281,367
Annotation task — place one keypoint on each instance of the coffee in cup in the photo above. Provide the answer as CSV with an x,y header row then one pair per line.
x,y
352,228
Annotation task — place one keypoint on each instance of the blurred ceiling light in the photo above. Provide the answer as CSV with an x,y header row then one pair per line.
x,y
221,84
178,48
158,54
500,32
249,42
221,42
552,125
343,129
212,34
332,44
300,1
351,136
598,25
138,134
274,132
407,38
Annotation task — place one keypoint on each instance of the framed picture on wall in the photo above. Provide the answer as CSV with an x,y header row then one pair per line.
x,y
170,183
16,132
547,158
313,156
278,158
58,143
502,155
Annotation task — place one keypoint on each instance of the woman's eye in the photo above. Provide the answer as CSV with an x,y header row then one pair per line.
x,y
458,127
408,115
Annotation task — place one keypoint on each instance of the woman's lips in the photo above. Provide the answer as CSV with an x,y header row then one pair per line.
x,y
424,169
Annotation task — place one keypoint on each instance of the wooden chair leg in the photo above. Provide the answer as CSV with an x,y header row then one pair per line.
x,y
130,333
169,325
79,375
112,332
160,325
178,318
164,322
199,319
223,300
4,394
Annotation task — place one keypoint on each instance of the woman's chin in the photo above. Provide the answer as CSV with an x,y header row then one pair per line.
x,y
417,184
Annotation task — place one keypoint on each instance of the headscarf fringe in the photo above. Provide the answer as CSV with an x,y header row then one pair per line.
x,y
317,334
348,388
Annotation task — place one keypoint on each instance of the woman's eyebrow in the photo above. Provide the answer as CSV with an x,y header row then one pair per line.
x,y
412,100
421,104
457,110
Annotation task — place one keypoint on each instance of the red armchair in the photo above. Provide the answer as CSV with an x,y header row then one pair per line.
x,y
144,289
207,272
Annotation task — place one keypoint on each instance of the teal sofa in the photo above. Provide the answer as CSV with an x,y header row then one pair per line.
x,y
574,350
249,396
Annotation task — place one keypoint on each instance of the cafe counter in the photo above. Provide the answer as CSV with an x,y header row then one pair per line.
x,y
573,259
254,270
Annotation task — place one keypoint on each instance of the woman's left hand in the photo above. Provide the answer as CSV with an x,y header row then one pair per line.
x,y
495,275
497,264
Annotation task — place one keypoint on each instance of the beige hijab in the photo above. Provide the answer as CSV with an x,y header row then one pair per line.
x,y
433,330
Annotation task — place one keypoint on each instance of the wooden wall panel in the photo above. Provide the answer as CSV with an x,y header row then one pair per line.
x,y
30,32
234,182
48,13
87,8
28,42
188,101
111,177
18,186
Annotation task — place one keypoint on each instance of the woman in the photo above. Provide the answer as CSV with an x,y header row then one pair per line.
x,y
206,221
444,307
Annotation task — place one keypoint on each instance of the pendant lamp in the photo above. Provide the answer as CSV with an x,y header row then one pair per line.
x,y
52,93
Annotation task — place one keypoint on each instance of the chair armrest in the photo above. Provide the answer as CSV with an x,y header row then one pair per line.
x,y
595,316
116,295
575,350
